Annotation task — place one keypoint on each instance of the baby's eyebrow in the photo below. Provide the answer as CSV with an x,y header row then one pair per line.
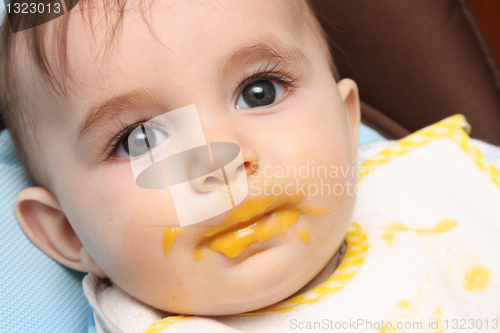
x,y
111,109
268,49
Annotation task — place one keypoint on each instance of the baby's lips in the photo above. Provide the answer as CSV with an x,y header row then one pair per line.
x,y
251,209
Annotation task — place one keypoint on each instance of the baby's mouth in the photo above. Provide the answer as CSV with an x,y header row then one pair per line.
x,y
257,219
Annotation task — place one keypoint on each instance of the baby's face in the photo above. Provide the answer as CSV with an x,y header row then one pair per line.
x,y
260,79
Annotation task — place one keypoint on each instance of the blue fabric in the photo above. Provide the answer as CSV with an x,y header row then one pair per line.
x,y
2,13
91,327
367,134
38,294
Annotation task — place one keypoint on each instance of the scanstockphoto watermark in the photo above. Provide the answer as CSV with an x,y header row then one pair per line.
x,y
309,190
362,325
359,324
308,180
27,14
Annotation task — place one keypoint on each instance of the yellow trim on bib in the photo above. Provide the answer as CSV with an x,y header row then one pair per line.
x,y
160,325
454,127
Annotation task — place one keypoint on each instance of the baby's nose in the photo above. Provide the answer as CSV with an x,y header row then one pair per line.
x,y
209,182
225,167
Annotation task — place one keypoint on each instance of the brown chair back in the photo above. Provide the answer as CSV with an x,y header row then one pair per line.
x,y
416,62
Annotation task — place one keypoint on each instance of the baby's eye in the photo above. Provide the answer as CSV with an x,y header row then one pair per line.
x,y
260,93
134,144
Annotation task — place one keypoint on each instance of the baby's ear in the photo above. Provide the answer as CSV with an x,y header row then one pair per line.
x,y
349,92
43,221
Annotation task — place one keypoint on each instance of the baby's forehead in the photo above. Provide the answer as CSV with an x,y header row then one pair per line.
x,y
112,54
180,29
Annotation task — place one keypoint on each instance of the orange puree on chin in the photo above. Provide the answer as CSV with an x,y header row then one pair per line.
x,y
258,219
303,236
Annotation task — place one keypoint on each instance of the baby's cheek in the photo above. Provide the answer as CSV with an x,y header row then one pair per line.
x,y
143,233
138,257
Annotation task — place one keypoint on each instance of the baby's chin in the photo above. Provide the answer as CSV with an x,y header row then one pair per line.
x,y
266,276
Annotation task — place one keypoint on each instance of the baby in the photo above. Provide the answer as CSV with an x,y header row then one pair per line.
x,y
260,75
76,97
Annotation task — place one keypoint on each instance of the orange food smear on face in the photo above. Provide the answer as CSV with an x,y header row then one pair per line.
x,y
169,236
303,236
249,223
250,208
232,244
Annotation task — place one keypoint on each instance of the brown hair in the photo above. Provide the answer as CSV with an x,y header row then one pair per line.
x,y
17,118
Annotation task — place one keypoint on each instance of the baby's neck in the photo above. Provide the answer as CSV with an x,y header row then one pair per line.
x,y
326,272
